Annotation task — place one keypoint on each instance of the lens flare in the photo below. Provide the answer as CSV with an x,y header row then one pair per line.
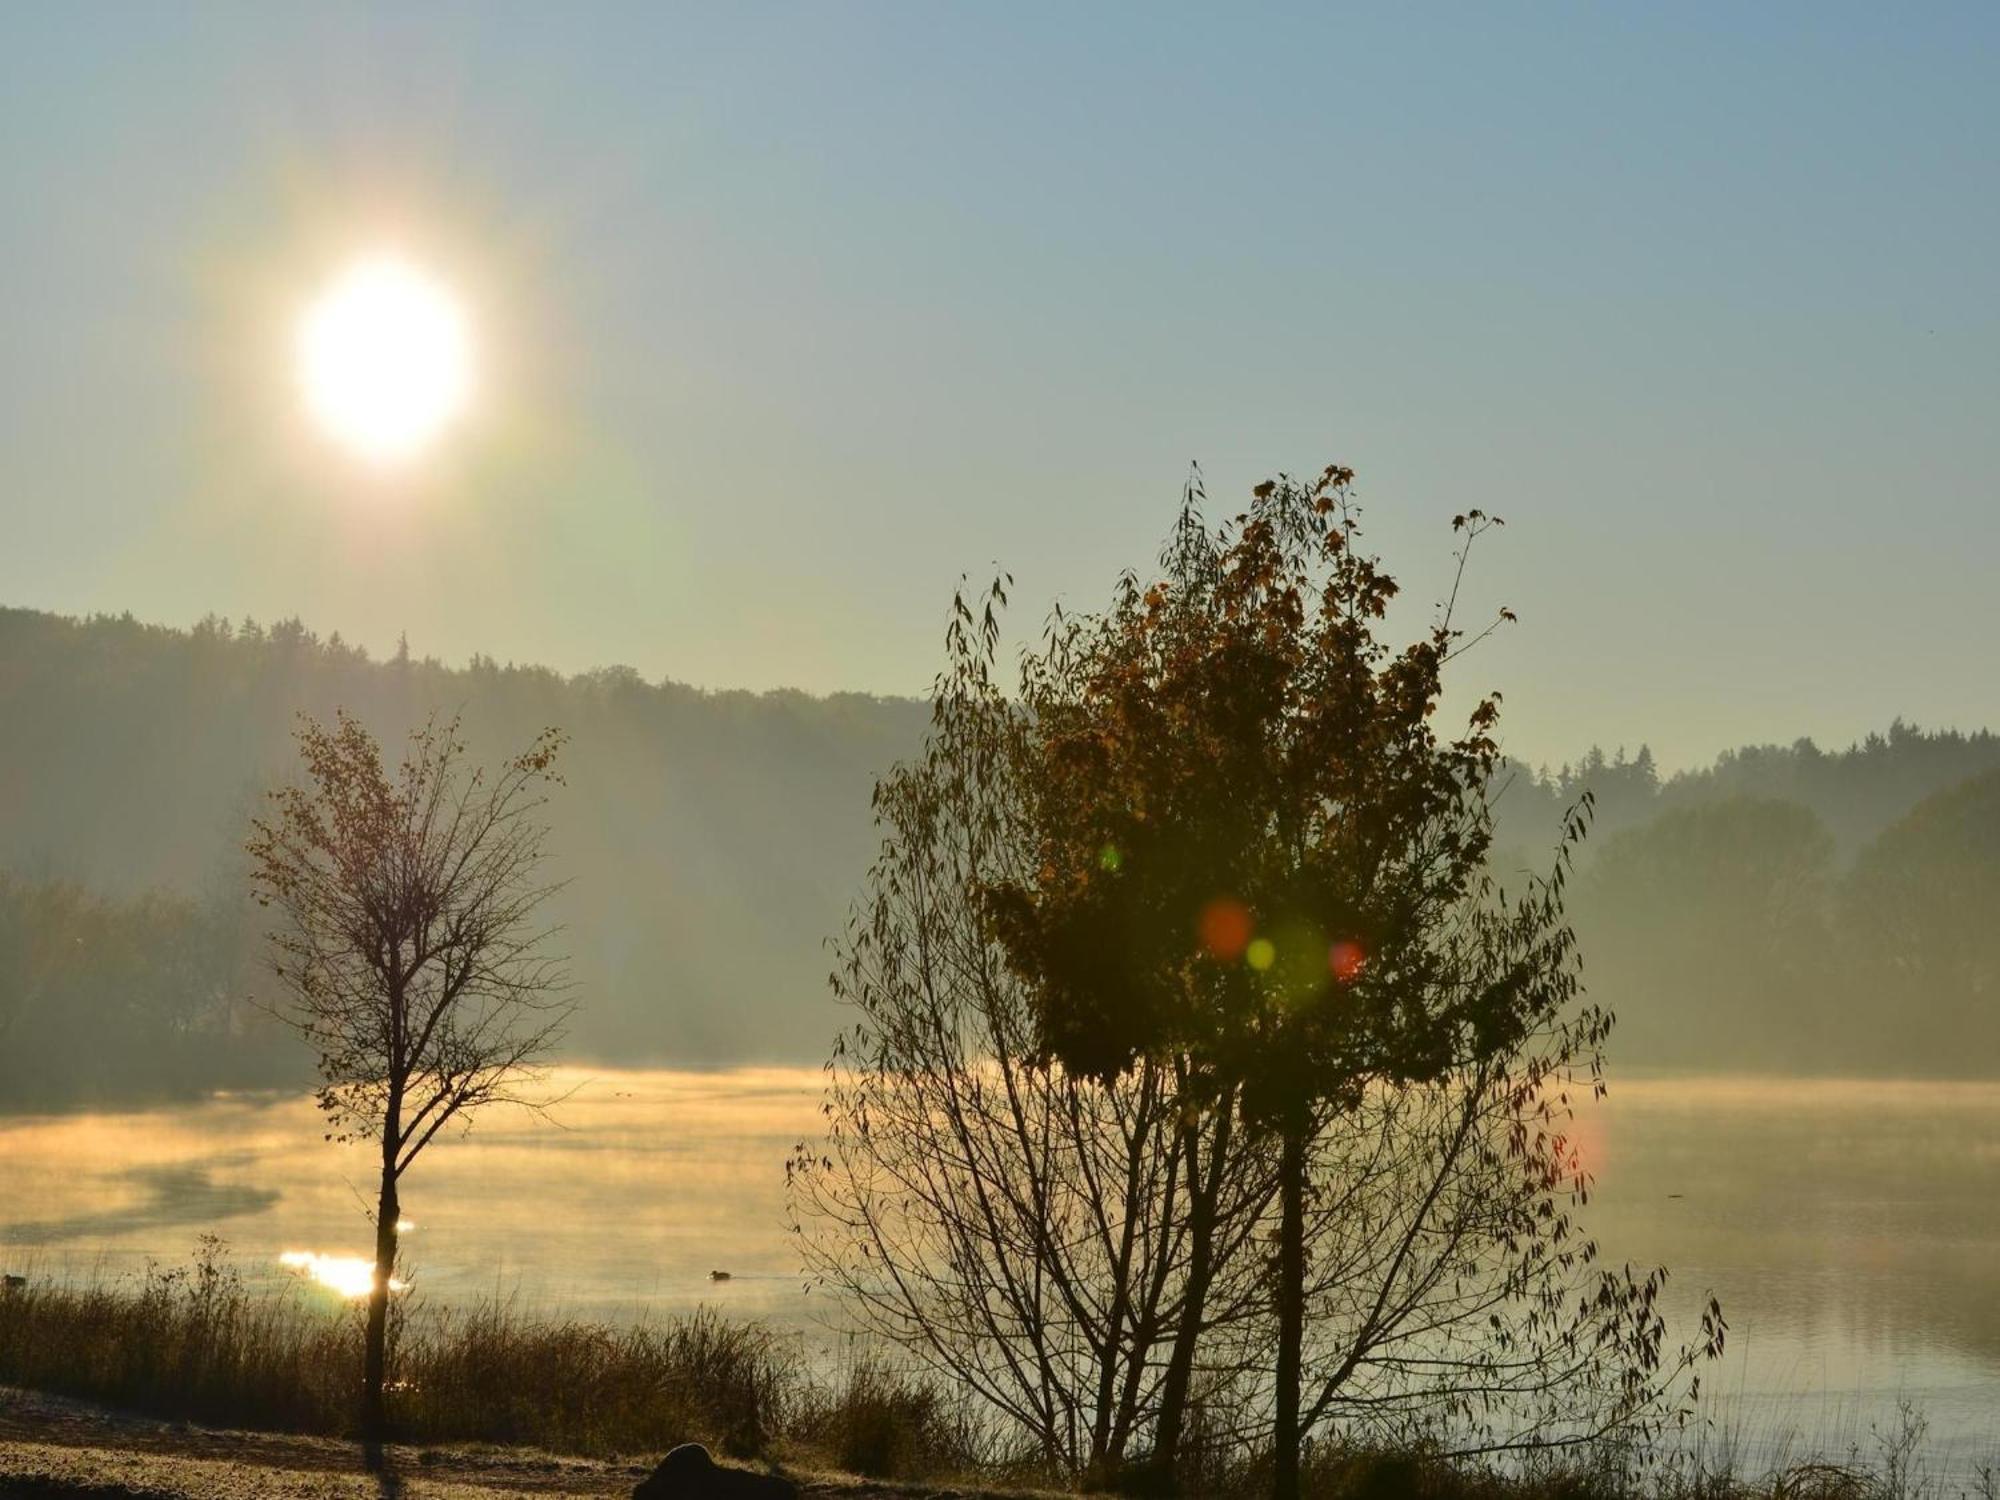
x,y
1261,954
1345,960
1225,929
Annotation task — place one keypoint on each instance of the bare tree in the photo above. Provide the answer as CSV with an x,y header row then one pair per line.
x,y
1458,1302
411,952
1055,1244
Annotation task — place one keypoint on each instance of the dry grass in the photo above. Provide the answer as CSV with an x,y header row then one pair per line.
x,y
187,1343
872,1421
194,1344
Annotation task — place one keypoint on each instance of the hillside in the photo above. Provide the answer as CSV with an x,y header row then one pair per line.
x,y
713,841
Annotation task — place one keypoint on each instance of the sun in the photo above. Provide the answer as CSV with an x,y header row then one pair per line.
x,y
385,359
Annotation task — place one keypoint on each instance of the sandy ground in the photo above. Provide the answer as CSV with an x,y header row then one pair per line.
x,y
51,1447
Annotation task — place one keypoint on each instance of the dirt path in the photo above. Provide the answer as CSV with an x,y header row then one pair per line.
x,y
52,1447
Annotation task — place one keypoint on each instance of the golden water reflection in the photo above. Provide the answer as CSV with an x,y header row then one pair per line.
x,y
1851,1229
645,1183
349,1275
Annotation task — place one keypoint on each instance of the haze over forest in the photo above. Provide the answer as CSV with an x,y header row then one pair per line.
x,y
1787,908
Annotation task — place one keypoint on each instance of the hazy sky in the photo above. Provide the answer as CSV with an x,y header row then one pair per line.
x,y
788,315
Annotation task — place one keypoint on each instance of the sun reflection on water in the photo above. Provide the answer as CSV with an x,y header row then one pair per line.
x,y
349,1275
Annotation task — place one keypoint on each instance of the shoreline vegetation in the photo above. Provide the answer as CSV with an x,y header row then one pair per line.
x,y
192,1347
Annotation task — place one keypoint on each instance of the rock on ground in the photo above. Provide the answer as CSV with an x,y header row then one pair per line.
x,y
689,1473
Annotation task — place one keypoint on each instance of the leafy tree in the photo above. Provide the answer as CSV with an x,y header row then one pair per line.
x,y
411,955
1087,1255
1252,850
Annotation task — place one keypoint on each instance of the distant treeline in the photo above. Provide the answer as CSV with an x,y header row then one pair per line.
x,y
1785,908
1791,909
710,841
126,1000
1855,793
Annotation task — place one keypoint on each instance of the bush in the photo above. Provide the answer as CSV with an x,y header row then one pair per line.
x,y
884,1425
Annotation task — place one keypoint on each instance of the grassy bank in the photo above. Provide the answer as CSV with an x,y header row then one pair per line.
x,y
195,1344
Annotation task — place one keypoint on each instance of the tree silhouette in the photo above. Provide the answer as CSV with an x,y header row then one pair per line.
x,y
1054,1244
411,955
1252,849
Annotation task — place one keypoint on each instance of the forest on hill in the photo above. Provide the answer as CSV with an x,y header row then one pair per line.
x,y
1787,907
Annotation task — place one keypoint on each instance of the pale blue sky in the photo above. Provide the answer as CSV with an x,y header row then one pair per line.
x,y
792,314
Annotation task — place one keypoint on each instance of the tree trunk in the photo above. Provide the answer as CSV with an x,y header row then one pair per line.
x,y
375,1357
1204,1189
1291,1310
1107,1427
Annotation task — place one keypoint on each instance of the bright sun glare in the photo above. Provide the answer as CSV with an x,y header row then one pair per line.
x,y
385,356
349,1275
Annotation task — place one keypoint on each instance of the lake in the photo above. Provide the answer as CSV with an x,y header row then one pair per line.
x,y
1851,1229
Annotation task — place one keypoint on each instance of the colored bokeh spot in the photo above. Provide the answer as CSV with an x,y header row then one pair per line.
x,y
1261,954
1108,858
1345,960
1225,929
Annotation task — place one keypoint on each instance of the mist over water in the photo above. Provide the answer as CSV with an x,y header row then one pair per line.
x,y
644,1183
1851,1229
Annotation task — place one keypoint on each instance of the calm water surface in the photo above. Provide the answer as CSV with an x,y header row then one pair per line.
x,y
1851,1229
